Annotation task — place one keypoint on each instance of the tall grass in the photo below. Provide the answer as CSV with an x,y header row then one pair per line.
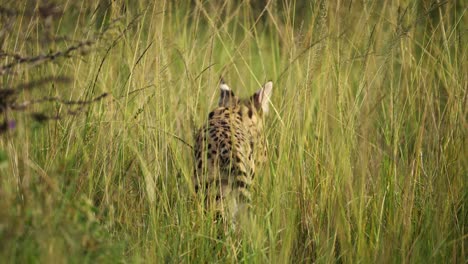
x,y
368,157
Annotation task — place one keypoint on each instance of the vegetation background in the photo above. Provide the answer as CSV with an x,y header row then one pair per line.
x,y
368,156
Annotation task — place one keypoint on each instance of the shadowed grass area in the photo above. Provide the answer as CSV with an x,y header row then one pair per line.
x,y
367,131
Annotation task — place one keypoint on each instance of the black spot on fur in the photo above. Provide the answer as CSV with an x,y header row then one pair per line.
x,y
212,133
250,113
241,184
199,164
224,160
211,115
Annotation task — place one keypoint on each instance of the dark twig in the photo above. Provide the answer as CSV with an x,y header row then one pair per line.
x,y
10,62
42,117
8,96
41,82
44,57
25,104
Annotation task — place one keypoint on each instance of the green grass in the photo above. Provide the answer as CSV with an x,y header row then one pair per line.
x,y
368,156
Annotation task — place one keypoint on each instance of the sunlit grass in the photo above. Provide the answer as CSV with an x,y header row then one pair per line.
x,y
367,134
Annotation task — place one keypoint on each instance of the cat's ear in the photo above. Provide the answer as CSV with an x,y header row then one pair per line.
x,y
262,97
226,97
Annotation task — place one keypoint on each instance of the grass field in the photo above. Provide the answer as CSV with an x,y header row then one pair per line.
x,y
367,130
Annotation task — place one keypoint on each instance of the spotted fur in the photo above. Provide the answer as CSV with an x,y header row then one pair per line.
x,y
228,149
